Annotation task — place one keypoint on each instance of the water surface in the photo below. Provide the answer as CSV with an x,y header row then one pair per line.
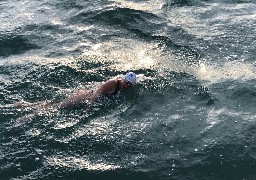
x,y
194,118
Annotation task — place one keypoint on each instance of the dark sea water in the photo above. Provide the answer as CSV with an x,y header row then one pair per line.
x,y
193,118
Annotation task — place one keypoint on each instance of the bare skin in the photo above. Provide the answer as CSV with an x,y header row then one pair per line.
x,y
107,88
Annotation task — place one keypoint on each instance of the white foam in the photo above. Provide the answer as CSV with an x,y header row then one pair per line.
x,y
80,163
234,70
125,54
151,5
66,123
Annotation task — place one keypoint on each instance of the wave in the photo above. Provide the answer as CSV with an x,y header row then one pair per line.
x,y
231,1
115,16
54,28
15,44
179,3
141,26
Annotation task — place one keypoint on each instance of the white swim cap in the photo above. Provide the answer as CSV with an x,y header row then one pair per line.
x,y
130,77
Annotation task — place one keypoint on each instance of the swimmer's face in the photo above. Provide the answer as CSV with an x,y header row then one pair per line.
x,y
126,84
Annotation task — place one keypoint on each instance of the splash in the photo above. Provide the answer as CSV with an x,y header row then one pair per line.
x,y
234,70
124,54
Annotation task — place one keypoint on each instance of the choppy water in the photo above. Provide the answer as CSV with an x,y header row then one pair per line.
x,y
195,118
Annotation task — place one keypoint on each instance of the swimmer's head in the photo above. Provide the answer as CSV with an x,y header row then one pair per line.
x,y
130,78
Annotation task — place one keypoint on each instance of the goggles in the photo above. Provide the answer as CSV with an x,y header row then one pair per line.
x,y
128,83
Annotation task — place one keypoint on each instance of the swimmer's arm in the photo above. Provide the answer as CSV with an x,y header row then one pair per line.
x,y
92,96
105,89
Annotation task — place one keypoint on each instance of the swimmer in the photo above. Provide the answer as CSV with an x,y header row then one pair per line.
x,y
108,88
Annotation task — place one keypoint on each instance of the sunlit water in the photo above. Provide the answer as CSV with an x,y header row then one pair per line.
x,y
192,116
